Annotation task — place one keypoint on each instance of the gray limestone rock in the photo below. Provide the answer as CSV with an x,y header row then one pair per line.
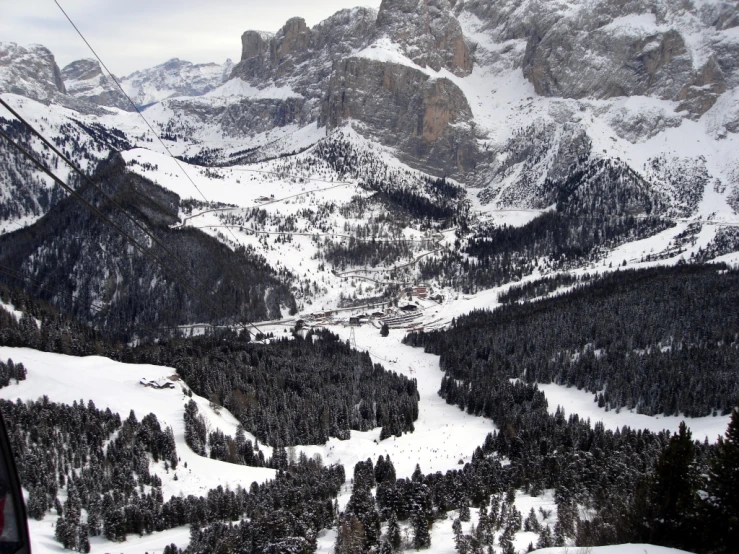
x,y
84,79
428,121
244,117
673,50
174,77
301,57
428,33
608,62
30,72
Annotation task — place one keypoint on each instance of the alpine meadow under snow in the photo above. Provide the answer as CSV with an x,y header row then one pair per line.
x,y
453,276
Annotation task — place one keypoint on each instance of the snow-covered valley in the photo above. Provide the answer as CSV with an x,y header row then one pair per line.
x,y
544,194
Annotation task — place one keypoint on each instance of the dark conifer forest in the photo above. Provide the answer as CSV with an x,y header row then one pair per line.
x,y
81,255
635,486
658,341
298,391
641,486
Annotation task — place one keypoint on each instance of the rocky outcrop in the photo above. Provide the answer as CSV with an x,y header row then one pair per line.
x,y
609,61
173,78
602,49
30,72
523,171
84,79
302,57
721,15
703,90
428,121
428,33
245,117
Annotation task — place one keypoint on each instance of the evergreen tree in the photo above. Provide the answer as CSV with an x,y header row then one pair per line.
x,y
531,524
37,503
457,530
545,538
393,531
724,487
464,510
350,538
386,547
673,494
83,540
421,535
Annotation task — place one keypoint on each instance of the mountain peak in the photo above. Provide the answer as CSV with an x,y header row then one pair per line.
x,y
29,71
428,32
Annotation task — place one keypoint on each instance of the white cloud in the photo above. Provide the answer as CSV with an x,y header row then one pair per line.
x,y
134,34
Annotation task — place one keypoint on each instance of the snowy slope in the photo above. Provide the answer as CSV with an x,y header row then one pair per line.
x,y
615,549
66,379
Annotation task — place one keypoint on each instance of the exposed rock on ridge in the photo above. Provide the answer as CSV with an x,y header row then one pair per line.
x,y
174,77
400,105
428,33
273,59
84,79
427,120
670,50
30,72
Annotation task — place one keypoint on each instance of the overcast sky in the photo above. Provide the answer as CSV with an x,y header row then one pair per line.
x,y
135,34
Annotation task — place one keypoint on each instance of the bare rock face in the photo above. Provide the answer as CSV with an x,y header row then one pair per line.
x,y
722,16
84,79
673,50
301,57
428,32
246,116
428,121
606,62
703,90
30,72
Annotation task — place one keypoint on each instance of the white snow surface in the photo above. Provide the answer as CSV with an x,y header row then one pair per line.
x,y
444,435
580,402
613,549
239,88
117,386
114,385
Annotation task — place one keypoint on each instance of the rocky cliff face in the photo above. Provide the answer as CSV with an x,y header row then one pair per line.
x,y
85,79
671,50
30,72
427,120
300,57
394,101
427,32
508,96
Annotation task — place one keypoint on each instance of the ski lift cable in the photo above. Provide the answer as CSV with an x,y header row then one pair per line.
x,y
147,252
136,108
84,176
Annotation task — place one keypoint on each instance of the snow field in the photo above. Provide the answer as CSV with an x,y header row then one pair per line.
x,y
109,384
443,434
613,549
580,402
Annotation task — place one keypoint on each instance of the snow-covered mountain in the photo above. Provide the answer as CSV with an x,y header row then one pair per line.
x,y
174,77
30,72
85,79
397,169
485,94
